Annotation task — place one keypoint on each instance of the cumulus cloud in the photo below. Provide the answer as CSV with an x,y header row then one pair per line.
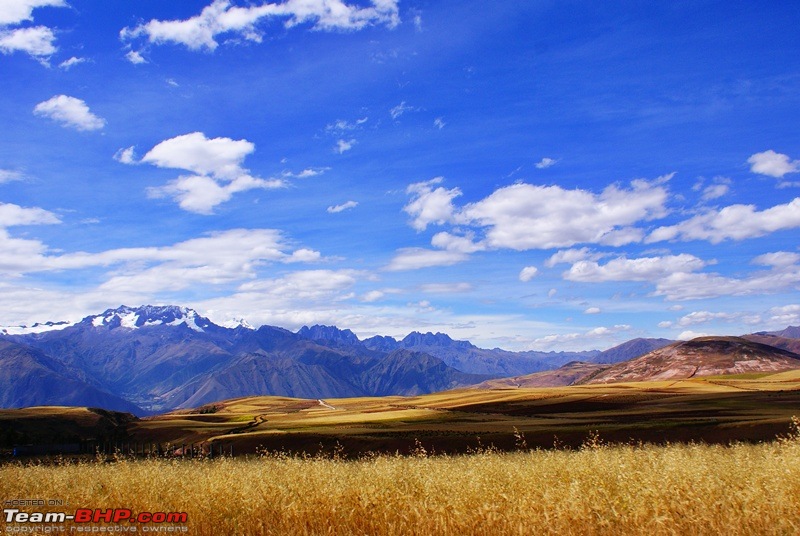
x,y
335,209
11,215
71,62
734,222
70,112
592,311
678,277
579,339
37,41
715,191
16,11
125,156
570,256
545,163
217,164
430,204
689,335
704,317
694,286
785,315
135,57
526,216
416,258
343,146
641,269
773,164
461,244
223,18
528,273
780,259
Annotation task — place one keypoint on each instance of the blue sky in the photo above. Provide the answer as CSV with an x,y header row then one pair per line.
x,y
526,175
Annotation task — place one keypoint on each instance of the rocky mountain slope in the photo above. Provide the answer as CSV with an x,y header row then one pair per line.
x,y
704,356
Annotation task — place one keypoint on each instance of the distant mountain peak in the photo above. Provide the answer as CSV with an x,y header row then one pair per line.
x,y
37,327
416,338
148,316
319,332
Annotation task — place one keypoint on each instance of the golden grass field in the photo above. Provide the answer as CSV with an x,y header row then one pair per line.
x,y
742,489
674,482
751,407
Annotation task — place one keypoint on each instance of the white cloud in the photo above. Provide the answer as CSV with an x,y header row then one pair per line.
x,y
217,163
439,123
445,288
220,157
773,164
552,292
525,216
345,145
528,273
125,156
579,340
545,163
72,62
334,209
570,256
400,109
693,286
779,259
135,57
592,311
461,244
201,194
734,222
37,41
70,112
714,191
430,205
372,296
341,125
704,317
220,18
641,269
11,215
689,335
16,11
416,258
8,175
786,315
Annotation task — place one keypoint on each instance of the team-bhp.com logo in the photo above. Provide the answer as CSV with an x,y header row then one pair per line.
x,y
115,516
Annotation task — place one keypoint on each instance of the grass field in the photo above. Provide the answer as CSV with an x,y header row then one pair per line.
x,y
637,480
693,489
714,410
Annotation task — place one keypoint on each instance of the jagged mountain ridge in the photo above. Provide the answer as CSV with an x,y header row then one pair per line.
x,y
161,358
165,357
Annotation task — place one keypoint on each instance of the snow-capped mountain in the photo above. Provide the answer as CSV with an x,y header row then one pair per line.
x,y
148,316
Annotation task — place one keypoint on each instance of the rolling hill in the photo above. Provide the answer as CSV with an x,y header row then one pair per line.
x,y
703,356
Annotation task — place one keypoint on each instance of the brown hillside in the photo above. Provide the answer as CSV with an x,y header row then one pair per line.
x,y
570,374
704,356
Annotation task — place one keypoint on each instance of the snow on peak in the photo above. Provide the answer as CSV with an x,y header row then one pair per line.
x,y
38,327
148,316
237,323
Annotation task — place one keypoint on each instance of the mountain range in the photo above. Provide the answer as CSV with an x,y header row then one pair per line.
x,y
152,359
